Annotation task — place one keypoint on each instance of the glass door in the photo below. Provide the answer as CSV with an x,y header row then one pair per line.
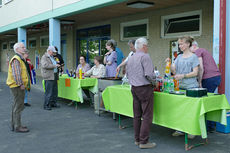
x,y
92,42
93,50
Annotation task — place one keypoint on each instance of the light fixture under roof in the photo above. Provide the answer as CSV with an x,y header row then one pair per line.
x,y
10,35
67,21
140,4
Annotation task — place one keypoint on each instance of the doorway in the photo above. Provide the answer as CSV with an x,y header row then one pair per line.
x,y
91,42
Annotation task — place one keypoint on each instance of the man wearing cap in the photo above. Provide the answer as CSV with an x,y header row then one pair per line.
x,y
48,69
18,81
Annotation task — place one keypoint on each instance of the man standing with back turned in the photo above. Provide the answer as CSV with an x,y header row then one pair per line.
x,y
18,81
140,73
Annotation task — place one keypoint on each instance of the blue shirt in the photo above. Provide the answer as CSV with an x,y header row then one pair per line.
x,y
120,55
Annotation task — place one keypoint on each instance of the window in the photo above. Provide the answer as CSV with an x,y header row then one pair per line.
x,y
0,3
134,29
11,45
95,32
32,43
44,41
4,46
188,23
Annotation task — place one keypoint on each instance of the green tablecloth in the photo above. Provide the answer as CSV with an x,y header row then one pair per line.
x,y
178,112
74,91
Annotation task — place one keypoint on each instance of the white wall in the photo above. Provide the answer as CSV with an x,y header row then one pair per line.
x,y
17,10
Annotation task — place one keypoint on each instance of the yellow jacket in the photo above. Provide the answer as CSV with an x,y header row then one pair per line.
x,y
24,74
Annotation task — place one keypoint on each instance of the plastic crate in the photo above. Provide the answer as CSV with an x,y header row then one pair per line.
x,y
222,128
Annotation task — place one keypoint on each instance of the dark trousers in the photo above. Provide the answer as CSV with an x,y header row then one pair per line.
x,y
17,107
55,90
211,84
142,109
49,92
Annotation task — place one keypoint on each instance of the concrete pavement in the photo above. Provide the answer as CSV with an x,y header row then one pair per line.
x,y
66,130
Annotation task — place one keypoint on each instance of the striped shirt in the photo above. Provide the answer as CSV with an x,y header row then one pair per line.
x,y
16,71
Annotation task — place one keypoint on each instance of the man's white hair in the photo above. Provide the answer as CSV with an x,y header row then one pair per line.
x,y
195,43
140,42
16,46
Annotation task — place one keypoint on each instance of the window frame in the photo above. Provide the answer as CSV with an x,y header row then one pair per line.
x,y
13,41
42,37
133,23
29,39
4,43
179,15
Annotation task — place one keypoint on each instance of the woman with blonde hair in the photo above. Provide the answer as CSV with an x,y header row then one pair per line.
x,y
185,69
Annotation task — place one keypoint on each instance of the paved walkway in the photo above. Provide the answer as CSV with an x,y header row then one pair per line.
x,y
66,130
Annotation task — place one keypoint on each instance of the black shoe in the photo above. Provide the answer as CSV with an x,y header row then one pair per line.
x,y
55,105
27,104
47,108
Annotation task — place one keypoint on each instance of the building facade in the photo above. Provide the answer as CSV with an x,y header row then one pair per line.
x,y
79,27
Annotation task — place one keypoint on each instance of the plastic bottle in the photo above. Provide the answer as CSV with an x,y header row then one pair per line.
x,y
80,73
71,73
157,73
167,67
176,85
74,74
83,75
166,84
171,85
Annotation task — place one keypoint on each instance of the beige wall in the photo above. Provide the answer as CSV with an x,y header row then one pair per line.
x,y
3,56
159,47
21,9
41,50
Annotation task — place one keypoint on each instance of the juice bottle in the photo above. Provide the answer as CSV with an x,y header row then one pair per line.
x,y
167,67
176,85
80,73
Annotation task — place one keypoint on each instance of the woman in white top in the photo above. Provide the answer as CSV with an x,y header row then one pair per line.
x,y
98,70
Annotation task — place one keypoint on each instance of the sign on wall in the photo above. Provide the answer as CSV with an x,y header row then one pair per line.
x,y
174,50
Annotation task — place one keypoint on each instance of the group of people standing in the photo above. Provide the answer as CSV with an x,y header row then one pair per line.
x,y
194,68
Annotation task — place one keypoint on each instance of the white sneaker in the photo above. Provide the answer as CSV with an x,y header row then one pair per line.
x,y
177,133
147,145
